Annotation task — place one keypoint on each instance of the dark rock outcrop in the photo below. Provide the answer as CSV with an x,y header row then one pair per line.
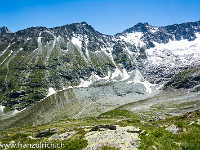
x,y
4,30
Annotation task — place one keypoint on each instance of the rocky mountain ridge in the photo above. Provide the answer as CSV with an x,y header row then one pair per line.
x,y
39,61
4,30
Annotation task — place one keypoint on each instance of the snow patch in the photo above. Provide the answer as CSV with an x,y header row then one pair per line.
x,y
181,52
76,41
138,78
129,52
87,52
5,50
6,57
133,38
147,86
125,74
16,111
2,108
108,76
120,74
64,88
116,73
84,83
153,29
39,39
51,91
51,47
93,78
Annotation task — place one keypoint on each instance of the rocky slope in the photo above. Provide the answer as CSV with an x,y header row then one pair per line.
x,y
4,30
38,62
186,79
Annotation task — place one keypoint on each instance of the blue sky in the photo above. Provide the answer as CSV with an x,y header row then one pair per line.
x,y
106,16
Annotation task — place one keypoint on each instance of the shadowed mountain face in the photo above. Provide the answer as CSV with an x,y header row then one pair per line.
x,y
4,30
186,79
38,62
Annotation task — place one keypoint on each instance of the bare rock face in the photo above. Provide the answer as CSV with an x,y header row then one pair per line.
x,y
4,30
195,122
63,136
47,132
125,138
173,129
188,78
198,121
47,61
43,58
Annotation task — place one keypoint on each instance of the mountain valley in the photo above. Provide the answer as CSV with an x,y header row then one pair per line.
x,y
72,76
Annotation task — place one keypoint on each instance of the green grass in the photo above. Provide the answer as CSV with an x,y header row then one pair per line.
x,y
183,79
188,137
108,148
117,113
155,134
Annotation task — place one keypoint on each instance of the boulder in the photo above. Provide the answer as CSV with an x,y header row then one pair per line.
x,y
198,121
54,137
67,135
191,123
195,122
100,127
47,132
173,129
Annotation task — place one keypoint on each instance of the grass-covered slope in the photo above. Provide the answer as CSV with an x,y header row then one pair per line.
x,y
185,79
152,135
76,103
34,59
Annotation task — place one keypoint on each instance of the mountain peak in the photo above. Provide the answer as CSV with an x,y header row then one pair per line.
x,y
40,60
84,23
4,30
141,24
139,27
75,28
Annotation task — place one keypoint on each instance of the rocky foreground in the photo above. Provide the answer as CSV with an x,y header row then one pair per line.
x,y
125,138
116,130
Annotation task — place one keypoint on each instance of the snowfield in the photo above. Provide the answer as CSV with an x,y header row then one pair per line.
x,y
181,52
